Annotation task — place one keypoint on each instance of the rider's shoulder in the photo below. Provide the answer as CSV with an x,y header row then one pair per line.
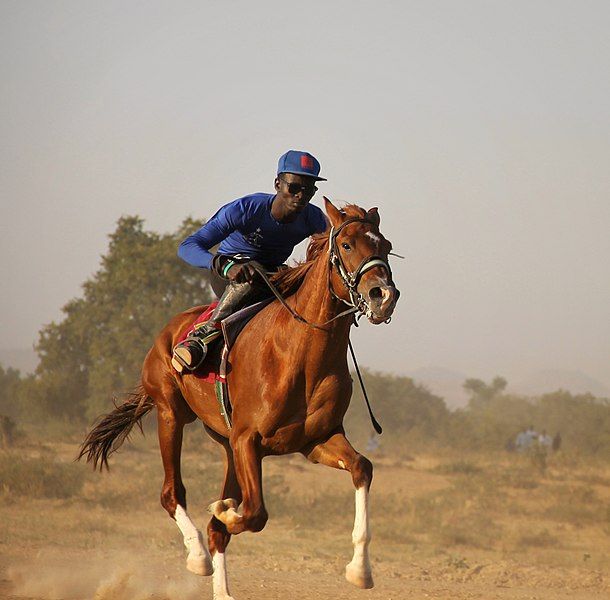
x,y
317,217
252,202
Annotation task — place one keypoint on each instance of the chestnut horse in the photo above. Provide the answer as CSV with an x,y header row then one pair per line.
x,y
290,388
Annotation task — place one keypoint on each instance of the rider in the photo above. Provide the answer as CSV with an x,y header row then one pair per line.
x,y
259,227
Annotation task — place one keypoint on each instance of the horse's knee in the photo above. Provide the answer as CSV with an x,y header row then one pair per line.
x,y
362,472
171,497
257,520
218,536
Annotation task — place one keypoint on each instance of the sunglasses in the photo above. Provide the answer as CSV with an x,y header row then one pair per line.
x,y
297,188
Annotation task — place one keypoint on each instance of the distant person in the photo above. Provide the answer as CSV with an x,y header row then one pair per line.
x,y
521,442
557,442
545,440
525,439
531,436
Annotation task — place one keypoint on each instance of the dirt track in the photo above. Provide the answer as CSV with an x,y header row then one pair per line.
x,y
115,542
147,576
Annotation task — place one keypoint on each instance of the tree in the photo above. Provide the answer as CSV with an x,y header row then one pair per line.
x,y
409,413
10,380
481,393
98,347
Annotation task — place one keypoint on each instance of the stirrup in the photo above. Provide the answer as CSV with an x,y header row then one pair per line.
x,y
181,354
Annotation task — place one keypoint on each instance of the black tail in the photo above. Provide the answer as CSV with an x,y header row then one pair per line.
x,y
112,430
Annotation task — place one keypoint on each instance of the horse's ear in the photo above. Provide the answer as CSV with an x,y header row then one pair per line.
x,y
372,216
334,214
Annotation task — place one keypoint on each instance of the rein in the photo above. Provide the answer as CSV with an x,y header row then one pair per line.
x,y
263,275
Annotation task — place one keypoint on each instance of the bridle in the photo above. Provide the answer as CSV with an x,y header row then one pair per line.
x,y
352,279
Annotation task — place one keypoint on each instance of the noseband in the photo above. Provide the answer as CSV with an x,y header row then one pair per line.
x,y
351,280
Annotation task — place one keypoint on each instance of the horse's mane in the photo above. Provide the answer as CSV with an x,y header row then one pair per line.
x,y
289,280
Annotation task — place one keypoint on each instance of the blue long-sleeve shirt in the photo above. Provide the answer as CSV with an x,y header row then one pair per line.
x,y
245,226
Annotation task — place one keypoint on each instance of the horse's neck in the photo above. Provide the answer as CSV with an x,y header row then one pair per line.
x,y
315,303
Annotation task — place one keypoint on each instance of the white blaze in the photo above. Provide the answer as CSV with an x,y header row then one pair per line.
x,y
373,236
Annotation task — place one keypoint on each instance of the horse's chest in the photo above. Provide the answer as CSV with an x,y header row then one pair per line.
x,y
313,418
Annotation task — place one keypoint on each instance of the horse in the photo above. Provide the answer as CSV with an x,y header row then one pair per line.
x,y
290,388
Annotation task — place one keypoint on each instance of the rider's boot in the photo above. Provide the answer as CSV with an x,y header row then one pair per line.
x,y
191,352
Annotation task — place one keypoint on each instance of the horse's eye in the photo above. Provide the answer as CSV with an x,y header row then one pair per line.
x,y
346,246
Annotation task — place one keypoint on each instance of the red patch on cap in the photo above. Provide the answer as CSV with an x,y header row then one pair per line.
x,y
306,162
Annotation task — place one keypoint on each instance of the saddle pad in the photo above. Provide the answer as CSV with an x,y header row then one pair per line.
x,y
210,370
233,324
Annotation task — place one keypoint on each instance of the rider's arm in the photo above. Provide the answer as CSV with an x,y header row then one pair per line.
x,y
195,249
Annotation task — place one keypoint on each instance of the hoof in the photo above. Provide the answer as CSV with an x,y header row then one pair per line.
x,y
356,577
200,564
221,506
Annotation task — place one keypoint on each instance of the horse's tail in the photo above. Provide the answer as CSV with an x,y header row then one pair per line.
x,y
112,430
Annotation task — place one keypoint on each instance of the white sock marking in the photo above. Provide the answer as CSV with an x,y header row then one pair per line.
x,y
220,585
198,559
361,535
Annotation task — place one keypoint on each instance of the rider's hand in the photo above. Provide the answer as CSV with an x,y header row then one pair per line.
x,y
242,273
229,268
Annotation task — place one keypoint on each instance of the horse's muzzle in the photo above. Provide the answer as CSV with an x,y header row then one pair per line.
x,y
382,301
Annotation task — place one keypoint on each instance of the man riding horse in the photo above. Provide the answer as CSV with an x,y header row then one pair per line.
x,y
259,227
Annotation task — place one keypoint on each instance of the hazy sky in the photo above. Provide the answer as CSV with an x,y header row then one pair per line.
x,y
481,129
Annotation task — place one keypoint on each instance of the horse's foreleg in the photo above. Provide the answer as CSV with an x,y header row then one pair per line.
x,y
218,536
173,494
337,452
247,461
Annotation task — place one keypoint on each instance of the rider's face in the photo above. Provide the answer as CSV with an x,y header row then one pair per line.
x,y
295,191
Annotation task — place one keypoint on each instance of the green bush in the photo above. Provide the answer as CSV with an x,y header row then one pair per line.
x,y
39,477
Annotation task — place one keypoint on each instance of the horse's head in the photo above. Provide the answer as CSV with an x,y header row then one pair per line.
x,y
359,253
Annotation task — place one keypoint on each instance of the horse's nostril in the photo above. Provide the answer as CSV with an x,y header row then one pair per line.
x,y
375,293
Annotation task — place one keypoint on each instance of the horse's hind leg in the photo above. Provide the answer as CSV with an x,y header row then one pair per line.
x,y
218,536
337,452
172,414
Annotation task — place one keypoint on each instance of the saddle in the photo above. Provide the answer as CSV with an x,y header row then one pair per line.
x,y
216,365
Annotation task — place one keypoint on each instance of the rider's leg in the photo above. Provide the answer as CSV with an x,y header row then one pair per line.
x,y
190,353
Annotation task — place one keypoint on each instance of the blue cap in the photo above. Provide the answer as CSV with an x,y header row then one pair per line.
x,y
299,163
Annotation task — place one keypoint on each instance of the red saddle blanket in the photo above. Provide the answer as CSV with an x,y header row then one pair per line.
x,y
208,371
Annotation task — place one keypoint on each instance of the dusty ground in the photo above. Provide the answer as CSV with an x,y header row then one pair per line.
x,y
482,528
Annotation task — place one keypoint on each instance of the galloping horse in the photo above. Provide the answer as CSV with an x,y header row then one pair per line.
x,y
290,388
